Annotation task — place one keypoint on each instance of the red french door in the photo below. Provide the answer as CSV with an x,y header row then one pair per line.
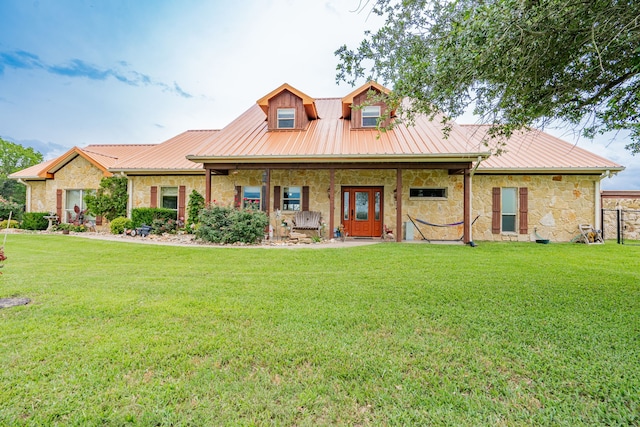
x,y
362,211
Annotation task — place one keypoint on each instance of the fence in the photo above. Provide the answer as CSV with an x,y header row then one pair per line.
x,y
624,224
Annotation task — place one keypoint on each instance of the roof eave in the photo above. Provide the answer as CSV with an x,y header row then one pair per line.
x,y
341,158
552,170
156,171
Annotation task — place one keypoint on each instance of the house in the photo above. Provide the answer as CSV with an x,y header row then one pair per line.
x,y
290,152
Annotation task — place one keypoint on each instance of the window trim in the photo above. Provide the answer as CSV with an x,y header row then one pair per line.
x,y
246,200
69,212
162,196
284,199
369,112
280,120
513,214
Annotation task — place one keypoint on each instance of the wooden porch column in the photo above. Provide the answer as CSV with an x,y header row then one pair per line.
x,y
207,187
267,190
332,202
466,231
399,205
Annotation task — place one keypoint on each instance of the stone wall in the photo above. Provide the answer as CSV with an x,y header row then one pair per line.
x,y
140,187
78,174
557,204
629,203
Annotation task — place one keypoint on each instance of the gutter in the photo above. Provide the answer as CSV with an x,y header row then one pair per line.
x,y
449,157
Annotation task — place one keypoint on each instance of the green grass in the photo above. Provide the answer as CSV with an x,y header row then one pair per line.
x,y
390,334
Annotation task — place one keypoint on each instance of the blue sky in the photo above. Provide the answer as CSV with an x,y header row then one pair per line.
x,y
74,73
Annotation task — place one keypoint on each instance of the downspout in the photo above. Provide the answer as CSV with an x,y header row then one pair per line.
x,y
597,215
27,203
471,173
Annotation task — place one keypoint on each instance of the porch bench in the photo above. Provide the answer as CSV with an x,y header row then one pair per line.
x,y
307,220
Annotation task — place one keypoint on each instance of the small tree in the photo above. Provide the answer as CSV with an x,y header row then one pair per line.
x,y
110,201
194,207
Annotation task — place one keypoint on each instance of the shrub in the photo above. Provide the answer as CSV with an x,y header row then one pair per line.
x,y
146,216
161,225
11,224
71,227
6,207
194,207
118,225
220,224
110,201
35,221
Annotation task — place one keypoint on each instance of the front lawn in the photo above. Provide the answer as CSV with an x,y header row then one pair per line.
x,y
389,334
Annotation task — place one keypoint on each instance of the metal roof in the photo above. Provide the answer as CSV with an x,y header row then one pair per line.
x,y
102,156
537,151
167,156
331,138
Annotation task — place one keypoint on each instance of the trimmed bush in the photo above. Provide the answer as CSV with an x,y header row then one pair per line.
x,y
220,224
5,222
146,216
35,221
118,225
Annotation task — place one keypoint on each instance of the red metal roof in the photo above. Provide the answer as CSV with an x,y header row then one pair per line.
x,y
536,150
331,138
102,156
169,155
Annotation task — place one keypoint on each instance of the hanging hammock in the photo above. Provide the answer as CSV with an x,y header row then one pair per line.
x,y
431,224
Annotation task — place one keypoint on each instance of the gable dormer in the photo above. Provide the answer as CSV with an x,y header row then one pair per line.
x,y
288,109
361,111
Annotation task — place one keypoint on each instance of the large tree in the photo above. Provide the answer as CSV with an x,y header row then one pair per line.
x,y
15,157
517,63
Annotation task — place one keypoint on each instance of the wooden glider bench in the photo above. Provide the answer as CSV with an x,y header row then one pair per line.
x,y
307,220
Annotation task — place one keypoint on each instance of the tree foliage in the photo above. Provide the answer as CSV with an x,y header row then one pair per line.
x,y
110,201
15,157
518,63
195,205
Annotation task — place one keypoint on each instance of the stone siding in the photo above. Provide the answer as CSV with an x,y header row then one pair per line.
x,y
630,205
78,174
140,187
557,204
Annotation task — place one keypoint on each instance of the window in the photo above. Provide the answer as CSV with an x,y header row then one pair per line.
x,y
370,115
252,198
291,198
76,198
509,204
428,193
169,198
286,118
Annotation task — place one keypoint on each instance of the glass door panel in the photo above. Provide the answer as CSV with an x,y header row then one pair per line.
x,y
362,205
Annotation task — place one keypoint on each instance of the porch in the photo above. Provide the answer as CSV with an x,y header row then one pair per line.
x,y
361,197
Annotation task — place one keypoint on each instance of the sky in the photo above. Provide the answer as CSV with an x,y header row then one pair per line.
x,y
74,72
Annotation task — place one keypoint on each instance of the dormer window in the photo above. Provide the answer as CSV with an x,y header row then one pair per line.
x,y
286,118
370,116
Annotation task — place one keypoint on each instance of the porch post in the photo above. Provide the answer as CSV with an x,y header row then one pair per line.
x,y
207,186
467,207
332,202
267,190
399,205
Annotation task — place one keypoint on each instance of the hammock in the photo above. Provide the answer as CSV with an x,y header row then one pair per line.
x,y
431,224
